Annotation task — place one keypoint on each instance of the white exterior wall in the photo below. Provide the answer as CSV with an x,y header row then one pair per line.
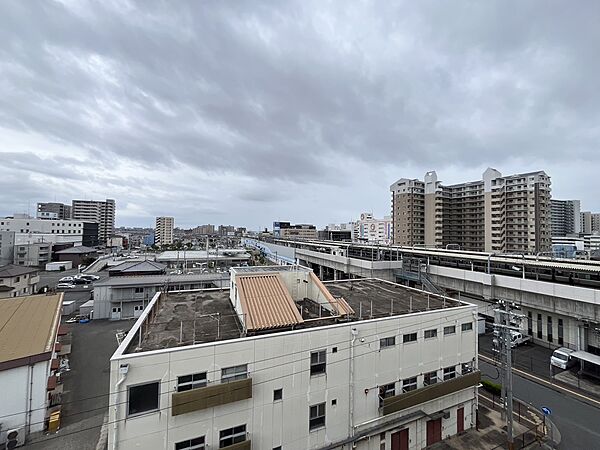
x,y
31,225
16,396
282,360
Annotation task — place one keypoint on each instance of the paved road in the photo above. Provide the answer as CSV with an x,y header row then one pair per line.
x,y
578,422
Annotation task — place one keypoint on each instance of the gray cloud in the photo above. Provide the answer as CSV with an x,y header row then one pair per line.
x,y
225,105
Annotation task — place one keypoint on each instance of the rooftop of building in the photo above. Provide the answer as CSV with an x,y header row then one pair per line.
x,y
137,266
28,326
221,253
152,280
202,316
77,250
11,270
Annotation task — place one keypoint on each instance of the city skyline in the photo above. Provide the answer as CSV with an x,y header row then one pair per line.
x,y
297,111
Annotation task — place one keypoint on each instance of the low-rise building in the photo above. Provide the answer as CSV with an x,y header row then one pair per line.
x,y
36,254
77,255
125,297
16,281
28,364
285,230
187,259
372,230
281,360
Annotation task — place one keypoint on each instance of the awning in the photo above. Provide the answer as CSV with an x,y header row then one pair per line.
x,y
54,364
57,347
587,357
52,382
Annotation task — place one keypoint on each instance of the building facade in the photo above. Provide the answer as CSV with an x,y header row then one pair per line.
x,y
295,378
372,230
17,281
590,222
53,210
100,212
163,231
566,217
285,230
36,254
504,214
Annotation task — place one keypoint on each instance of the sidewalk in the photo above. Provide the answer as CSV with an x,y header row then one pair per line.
x,y
535,360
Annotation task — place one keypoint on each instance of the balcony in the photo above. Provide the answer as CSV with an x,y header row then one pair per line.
x,y
211,396
428,393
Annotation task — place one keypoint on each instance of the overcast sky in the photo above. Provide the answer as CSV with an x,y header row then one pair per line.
x,y
247,112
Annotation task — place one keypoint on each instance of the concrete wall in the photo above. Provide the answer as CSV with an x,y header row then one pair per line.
x,y
282,360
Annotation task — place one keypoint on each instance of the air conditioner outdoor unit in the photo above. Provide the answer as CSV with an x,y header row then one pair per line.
x,y
15,438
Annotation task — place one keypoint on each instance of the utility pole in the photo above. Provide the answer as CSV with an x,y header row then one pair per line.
x,y
503,329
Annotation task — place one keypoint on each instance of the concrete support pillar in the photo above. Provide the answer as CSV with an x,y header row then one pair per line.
x,y
320,272
335,274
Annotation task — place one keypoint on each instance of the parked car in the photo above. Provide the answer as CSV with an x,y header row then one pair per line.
x,y
561,357
517,339
85,276
66,280
65,286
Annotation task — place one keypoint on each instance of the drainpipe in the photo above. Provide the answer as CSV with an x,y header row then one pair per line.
x,y
354,333
123,369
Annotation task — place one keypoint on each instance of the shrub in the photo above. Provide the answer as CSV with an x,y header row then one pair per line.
x,y
492,388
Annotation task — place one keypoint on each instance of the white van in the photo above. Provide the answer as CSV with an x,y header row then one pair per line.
x,y
561,357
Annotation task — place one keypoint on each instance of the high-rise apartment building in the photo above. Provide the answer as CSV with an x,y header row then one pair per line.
x,y
566,217
163,232
590,222
495,214
53,211
101,212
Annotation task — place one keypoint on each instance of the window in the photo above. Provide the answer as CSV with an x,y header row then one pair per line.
x,y
191,444
549,328
385,391
234,373
277,394
139,290
143,398
539,326
561,340
466,368
410,337
277,448
449,373
449,330
409,384
316,416
382,441
529,323
232,436
430,378
318,362
188,382
387,342
431,333
466,326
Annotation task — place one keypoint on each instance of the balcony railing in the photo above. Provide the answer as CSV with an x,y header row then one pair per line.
x,y
211,396
428,393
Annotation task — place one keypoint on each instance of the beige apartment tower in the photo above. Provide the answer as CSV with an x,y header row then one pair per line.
x,y
100,212
501,214
163,232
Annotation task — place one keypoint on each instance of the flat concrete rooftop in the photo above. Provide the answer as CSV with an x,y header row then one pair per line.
x,y
187,318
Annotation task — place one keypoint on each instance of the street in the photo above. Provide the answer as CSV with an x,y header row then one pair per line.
x,y
577,422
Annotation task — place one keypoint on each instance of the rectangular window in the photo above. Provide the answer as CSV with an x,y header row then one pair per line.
x,y
316,416
431,333
191,444
410,337
539,326
139,290
561,331
466,368
549,328
277,394
466,326
430,378
142,398
234,373
529,323
232,436
188,382
318,362
387,342
409,384
449,330
449,373
385,391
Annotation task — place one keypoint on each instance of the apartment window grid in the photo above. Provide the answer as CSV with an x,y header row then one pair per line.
x,y
449,330
232,436
193,381
318,362
430,378
387,342
316,416
234,373
449,373
409,384
429,334
409,337
191,444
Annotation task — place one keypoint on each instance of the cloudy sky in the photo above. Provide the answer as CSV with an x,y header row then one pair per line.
x,y
245,112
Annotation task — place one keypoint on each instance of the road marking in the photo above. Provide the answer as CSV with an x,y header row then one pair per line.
x,y
547,383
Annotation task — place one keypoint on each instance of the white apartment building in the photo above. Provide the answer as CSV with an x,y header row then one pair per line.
x,y
21,223
16,281
28,366
372,230
100,212
283,361
163,231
